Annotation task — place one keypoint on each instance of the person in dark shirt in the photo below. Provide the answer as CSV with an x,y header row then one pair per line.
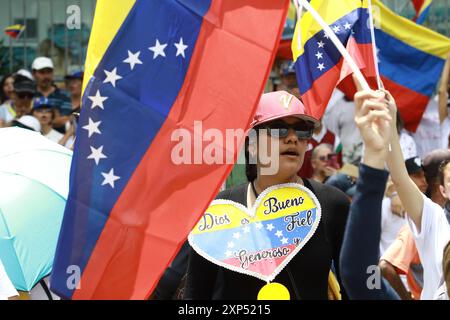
x,y
42,68
281,118
360,249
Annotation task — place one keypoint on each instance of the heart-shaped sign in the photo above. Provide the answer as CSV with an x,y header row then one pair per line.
x,y
262,240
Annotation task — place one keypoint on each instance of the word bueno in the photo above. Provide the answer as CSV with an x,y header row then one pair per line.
x,y
273,205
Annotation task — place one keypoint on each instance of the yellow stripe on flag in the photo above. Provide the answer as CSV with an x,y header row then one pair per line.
x,y
409,32
109,17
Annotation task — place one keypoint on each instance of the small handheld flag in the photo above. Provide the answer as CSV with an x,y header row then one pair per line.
x,y
15,31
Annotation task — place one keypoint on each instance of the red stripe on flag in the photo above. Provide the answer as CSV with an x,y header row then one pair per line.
x,y
316,98
148,225
410,103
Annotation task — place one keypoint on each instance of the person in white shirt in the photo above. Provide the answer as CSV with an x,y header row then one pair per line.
x,y
44,112
392,221
426,219
7,289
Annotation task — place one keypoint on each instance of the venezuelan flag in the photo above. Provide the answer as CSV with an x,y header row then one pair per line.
x,y
153,68
319,65
411,58
15,31
422,7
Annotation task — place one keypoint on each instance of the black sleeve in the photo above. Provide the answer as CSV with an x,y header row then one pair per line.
x,y
201,278
172,277
360,248
336,229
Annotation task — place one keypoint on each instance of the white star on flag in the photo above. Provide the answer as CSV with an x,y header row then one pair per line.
x,y
158,49
284,240
259,225
133,59
321,66
325,35
319,55
109,178
97,154
246,229
279,233
321,44
181,47
92,127
112,77
236,235
336,29
97,100
230,244
228,253
270,227
347,26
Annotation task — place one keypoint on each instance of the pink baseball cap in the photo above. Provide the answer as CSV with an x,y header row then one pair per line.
x,y
280,104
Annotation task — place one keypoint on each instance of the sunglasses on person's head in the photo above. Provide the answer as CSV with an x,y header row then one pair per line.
x,y
24,95
280,129
328,157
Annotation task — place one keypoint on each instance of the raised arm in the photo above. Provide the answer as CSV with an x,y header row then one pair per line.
x,y
360,249
408,192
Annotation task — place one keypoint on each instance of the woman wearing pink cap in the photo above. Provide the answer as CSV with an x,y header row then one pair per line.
x,y
280,118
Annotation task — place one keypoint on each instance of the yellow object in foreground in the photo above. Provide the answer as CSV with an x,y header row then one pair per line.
x,y
274,291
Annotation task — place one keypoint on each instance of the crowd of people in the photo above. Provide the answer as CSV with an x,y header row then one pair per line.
x,y
33,100
384,191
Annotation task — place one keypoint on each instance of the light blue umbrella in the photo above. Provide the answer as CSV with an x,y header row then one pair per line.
x,y
34,179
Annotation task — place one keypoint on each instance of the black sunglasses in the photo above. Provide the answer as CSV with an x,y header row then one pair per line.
x,y
280,129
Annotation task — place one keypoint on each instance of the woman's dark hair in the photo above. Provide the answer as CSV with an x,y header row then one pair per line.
x,y
3,96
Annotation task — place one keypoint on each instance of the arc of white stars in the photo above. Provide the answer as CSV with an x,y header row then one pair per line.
x,y
321,44
319,55
112,77
321,66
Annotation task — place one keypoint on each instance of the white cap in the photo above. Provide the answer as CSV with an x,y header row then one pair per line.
x,y
31,122
42,63
25,73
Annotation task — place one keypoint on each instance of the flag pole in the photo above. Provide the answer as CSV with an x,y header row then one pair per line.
x,y
374,47
359,76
